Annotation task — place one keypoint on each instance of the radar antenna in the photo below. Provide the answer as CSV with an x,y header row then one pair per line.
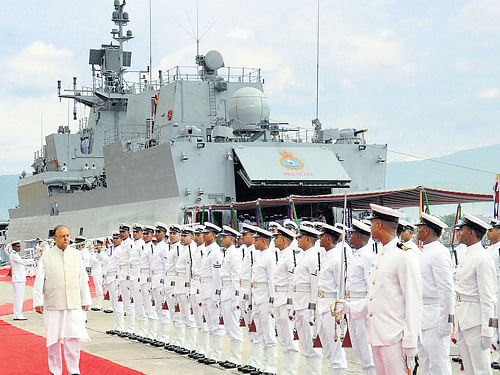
x,y
120,18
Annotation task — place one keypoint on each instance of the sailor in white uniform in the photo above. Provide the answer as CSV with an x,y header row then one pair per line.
x,y
263,297
151,324
249,256
328,289
97,276
394,305
292,225
438,293
157,282
359,268
494,252
305,295
135,277
283,287
110,261
230,278
406,230
124,282
211,264
18,279
475,286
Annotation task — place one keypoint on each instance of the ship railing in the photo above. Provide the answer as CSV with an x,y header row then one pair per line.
x,y
194,73
134,138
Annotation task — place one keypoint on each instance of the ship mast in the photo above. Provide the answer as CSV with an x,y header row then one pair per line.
x,y
121,18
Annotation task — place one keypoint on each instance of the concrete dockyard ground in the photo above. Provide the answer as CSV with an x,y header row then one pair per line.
x,y
145,358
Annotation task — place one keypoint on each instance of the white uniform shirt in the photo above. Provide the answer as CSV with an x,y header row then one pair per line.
x,y
157,260
171,255
183,269
329,279
109,260
436,270
146,256
249,255
124,258
230,273
359,267
86,256
96,264
263,276
283,276
211,263
494,253
18,269
196,253
135,258
394,305
305,281
476,279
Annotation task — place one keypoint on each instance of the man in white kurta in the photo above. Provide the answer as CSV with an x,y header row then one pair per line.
x,y
18,279
61,293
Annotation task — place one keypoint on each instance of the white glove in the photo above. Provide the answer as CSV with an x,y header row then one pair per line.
x,y
409,356
486,342
342,307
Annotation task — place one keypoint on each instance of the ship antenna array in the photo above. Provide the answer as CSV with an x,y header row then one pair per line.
x,y
120,18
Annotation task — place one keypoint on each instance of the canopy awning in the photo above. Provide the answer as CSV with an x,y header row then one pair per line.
x,y
399,198
296,166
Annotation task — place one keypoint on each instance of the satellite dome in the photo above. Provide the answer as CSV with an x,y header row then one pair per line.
x,y
248,105
214,60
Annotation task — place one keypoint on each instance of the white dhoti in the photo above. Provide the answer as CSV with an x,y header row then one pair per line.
x,y
65,324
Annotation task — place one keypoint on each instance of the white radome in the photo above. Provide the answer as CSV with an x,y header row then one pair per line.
x,y
248,105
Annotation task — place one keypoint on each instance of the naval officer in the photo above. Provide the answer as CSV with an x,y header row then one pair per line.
x,y
96,272
124,284
394,305
494,252
157,281
475,285
18,279
436,269
405,234
135,276
151,322
111,282
359,268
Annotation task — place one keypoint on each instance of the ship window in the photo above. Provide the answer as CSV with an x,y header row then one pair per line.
x,y
53,209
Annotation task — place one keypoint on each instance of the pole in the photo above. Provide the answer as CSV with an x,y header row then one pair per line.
x,y
150,46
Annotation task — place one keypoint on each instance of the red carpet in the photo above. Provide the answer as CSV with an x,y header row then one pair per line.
x,y
22,352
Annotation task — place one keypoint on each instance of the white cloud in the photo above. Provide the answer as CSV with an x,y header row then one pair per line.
x,y
37,66
491,93
479,16
240,34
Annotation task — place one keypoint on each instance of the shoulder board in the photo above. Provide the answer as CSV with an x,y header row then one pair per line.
x,y
401,246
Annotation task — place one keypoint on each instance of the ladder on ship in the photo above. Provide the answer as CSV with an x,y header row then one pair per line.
x,y
212,102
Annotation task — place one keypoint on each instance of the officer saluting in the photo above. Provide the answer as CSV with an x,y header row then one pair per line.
x,y
437,293
394,305
475,285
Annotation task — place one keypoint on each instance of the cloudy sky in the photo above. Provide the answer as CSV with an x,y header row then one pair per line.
x,y
423,76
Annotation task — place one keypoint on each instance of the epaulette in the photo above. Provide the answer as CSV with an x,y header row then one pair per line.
x,y
402,246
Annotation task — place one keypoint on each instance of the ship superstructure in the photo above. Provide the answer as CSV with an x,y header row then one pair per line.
x,y
197,135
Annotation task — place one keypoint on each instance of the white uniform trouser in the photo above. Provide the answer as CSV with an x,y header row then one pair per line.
x,y
434,352
358,332
186,317
171,302
284,327
124,288
195,300
476,360
71,356
332,349
389,359
210,311
149,311
97,279
231,321
18,288
163,315
264,324
112,288
305,332
140,314
247,314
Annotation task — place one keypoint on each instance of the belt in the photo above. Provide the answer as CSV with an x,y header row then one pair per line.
x,y
111,273
246,283
145,271
123,267
281,288
168,273
430,300
157,272
206,280
256,285
180,274
464,298
196,278
322,294
302,288
227,282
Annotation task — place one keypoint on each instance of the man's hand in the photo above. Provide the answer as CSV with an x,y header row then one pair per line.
x,y
341,307
486,342
409,356
39,309
85,308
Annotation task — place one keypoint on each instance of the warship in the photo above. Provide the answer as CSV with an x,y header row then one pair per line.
x,y
193,137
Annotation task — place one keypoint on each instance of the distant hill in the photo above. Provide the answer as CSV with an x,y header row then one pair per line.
x,y
8,197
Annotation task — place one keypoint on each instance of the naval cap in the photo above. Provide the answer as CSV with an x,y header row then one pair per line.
x,y
261,232
495,223
290,224
306,223
161,227
247,228
175,228
342,227
359,226
116,234
198,228
16,244
285,232
228,231
99,241
459,224
433,222
124,227
332,230
137,227
187,230
149,229
211,228
272,225
79,239
475,223
405,225
308,231
384,213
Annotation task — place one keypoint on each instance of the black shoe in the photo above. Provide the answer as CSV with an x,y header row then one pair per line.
x,y
256,372
20,318
95,309
108,311
147,340
173,348
495,365
209,361
122,334
198,356
192,354
247,369
230,365
457,359
183,351
110,332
